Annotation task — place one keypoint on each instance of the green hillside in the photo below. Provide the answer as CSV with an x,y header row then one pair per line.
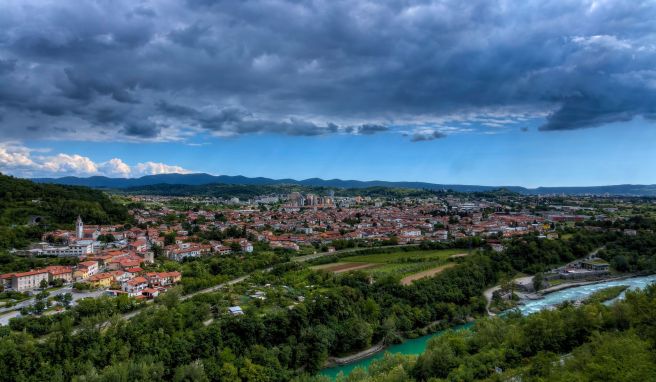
x,y
251,191
28,208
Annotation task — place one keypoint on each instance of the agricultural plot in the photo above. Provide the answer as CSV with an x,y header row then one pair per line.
x,y
413,264
346,267
405,257
428,273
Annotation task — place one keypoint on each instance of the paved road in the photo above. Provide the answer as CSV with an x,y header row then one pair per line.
x,y
129,315
13,311
4,319
66,289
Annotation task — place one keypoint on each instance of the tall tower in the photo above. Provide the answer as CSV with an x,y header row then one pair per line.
x,y
79,228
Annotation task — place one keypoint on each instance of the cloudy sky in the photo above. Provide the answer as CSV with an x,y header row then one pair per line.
x,y
477,92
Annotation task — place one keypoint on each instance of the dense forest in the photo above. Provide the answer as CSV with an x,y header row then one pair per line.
x,y
27,208
591,343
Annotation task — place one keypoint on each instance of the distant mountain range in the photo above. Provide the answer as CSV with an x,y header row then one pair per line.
x,y
202,179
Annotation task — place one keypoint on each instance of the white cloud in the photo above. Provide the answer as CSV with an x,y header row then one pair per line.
x,y
68,164
116,167
18,160
14,156
152,168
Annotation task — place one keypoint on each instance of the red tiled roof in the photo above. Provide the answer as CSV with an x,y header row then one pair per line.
x,y
31,273
137,281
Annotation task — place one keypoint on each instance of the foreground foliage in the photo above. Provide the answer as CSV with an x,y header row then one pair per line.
x,y
590,343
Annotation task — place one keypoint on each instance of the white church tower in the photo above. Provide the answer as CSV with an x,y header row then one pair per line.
x,y
79,228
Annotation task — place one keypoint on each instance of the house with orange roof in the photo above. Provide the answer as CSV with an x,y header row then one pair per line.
x,y
5,280
130,263
135,286
24,281
156,279
60,272
91,266
139,245
101,280
150,292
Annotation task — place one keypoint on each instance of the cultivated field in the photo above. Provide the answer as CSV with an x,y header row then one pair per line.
x,y
405,257
345,267
411,265
428,273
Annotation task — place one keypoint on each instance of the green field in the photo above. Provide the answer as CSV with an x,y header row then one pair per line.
x,y
400,263
404,257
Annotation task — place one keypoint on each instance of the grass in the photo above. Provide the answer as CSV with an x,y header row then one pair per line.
x,y
606,294
427,273
401,264
404,257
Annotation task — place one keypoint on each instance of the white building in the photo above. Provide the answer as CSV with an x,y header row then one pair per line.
x,y
81,248
25,281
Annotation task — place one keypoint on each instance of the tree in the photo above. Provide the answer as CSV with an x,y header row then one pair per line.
x,y
235,247
43,284
251,372
620,263
229,373
66,299
538,281
171,298
39,307
157,251
193,372
108,238
169,239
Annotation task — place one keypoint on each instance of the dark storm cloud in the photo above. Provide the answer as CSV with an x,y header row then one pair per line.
x,y
235,121
139,70
176,110
141,129
369,129
7,66
431,136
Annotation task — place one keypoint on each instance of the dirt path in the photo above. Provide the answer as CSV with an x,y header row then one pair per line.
x,y
488,296
428,273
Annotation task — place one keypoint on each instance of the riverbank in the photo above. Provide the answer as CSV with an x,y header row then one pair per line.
x,y
366,353
379,348
409,346
575,284
549,301
582,291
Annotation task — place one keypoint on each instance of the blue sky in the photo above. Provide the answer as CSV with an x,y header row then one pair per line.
x,y
480,92
509,157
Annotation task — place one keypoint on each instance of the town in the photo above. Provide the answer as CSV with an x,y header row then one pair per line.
x,y
112,257
402,264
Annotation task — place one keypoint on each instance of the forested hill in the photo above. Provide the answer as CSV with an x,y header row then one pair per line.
x,y
251,191
23,201
203,179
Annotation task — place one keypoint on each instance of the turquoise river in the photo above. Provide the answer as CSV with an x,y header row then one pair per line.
x,y
418,345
